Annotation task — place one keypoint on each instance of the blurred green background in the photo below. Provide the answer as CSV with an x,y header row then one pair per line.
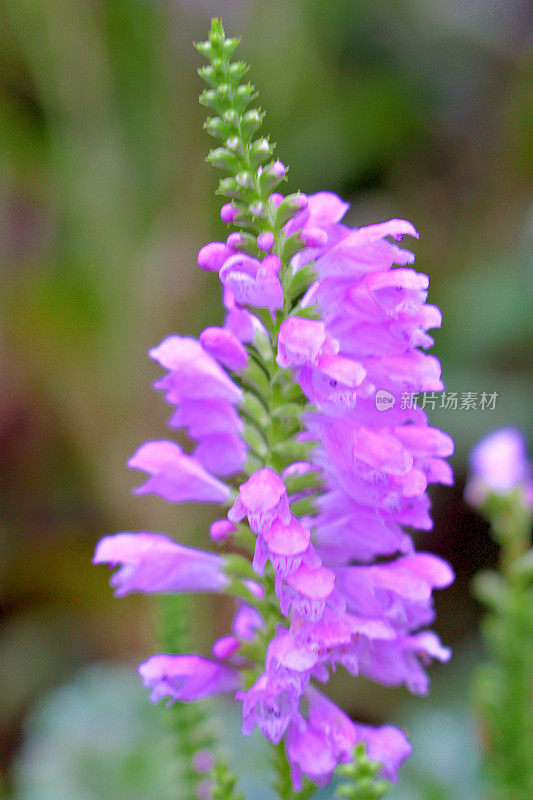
x,y
407,108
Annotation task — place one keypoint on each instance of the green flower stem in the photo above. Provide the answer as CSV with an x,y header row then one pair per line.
x,y
223,786
504,688
272,406
360,778
189,722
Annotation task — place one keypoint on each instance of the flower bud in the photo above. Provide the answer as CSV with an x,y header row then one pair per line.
x,y
265,241
221,530
229,213
211,256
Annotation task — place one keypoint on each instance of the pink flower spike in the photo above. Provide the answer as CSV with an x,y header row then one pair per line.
x,y
386,745
500,461
193,372
316,584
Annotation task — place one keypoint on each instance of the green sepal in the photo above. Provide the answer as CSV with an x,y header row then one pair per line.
x,y
247,244
263,346
254,408
299,483
292,245
362,781
268,181
523,566
211,99
296,451
260,151
208,74
306,507
253,437
309,312
245,179
236,72
252,464
300,282
228,187
236,566
288,208
217,127
287,411
251,122
489,587
244,94
223,783
254,378
223,158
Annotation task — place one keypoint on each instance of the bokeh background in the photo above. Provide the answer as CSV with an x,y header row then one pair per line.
x,y
407,108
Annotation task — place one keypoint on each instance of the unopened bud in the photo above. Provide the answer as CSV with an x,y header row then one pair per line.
x,y
221,529
265,241
212,256
256,209
233,242
229,213
244,179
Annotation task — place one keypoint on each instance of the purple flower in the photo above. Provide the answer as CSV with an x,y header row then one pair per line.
x,y
176,476
499,464
151,562
400,660
194,374
270,704
205,417
223,345
222,454
284,545
386,745
240,321
186,677
263,499
326,737
324,376
252,282
306,591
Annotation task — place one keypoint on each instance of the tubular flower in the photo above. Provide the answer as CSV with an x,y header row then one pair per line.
x,y
318,481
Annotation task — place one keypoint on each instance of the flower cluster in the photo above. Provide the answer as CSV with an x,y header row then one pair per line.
x,y
318,484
